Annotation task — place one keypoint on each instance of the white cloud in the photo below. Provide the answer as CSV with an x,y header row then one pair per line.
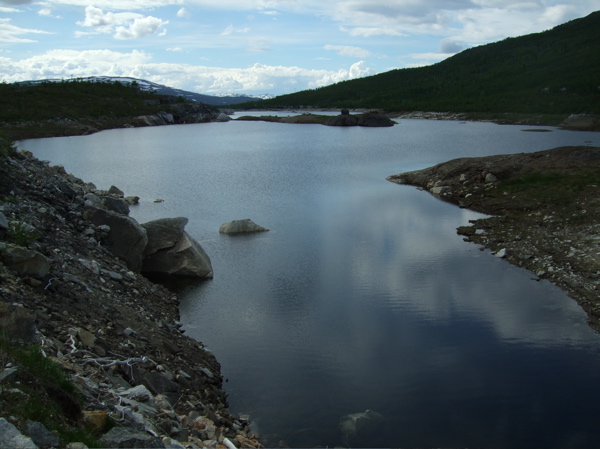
x,y
16,2
183,13
123,25
344,50
229,30
372,31
67,63
11,33
358,70
448,46
258,78
430,29
141,27
259,44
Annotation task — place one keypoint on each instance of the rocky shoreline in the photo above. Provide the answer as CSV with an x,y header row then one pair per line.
x,y
544,212
138,380
171,113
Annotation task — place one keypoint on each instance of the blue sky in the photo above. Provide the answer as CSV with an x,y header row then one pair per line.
x,y
255,46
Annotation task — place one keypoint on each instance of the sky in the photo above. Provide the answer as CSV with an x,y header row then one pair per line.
x,y
255,46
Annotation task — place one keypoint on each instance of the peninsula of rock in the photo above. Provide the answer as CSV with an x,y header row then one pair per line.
x,y
544,212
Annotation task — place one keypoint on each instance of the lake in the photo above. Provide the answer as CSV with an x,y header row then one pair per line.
x,y
361,296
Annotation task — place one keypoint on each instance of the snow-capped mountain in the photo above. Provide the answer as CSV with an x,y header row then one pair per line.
x,y
217,100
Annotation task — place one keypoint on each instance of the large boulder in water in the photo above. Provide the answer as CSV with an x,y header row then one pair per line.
x,y
245,226
126,238
172,251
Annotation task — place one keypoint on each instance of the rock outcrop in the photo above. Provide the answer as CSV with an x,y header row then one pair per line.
x,y
172,251
126,238
544,206
113,334
245,226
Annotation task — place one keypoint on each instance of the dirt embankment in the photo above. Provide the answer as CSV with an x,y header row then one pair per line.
x,y
544,207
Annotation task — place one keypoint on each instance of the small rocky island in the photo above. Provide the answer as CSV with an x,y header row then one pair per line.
x,y
92,351
544,212
368,119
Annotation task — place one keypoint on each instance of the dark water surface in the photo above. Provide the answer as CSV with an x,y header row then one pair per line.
x,y
362,296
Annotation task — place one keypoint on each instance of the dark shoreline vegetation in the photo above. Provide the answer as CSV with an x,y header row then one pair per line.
x,y
75,107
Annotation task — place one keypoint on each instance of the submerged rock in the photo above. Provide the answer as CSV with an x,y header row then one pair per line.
x,y
359,425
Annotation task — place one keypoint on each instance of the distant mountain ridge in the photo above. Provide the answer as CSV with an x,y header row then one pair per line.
x,y
552,72
215,100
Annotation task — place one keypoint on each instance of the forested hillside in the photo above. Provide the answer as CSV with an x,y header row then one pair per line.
x,y
76,107
553,72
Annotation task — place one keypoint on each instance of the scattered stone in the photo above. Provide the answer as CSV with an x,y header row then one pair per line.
x,y
24,261
93,200
81,309
3,223
112,190
91,265
113,275
500,253
440,190
132,200
139,393
223,117
87,338
76,445
8,374
117,205
121,437
95,420
40,435
10,437
17,322
490,178
157,383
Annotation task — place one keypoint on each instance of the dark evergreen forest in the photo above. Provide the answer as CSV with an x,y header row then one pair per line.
x,y
553,72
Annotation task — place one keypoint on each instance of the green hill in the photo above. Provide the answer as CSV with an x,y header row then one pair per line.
x,y
553,72
74,107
